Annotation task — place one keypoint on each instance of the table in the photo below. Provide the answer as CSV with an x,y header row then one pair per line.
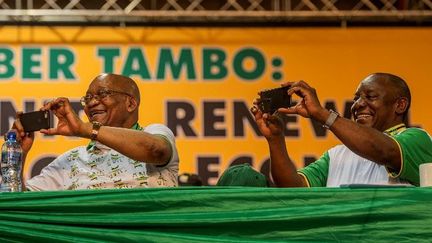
x,y
218,214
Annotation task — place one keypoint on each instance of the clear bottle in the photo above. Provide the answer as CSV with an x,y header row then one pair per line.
x,y
11,164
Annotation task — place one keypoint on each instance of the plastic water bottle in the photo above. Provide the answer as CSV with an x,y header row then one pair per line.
x,y
11,164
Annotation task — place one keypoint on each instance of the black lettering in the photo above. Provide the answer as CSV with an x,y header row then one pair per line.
x,y
290,132
347,110
29,106
203,168
210,119
241,112
179,115
8,112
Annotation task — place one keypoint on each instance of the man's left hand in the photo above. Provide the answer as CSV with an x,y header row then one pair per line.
x,y
309,105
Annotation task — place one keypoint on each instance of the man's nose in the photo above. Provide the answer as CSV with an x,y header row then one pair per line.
x,y
360,102
93,101
357,104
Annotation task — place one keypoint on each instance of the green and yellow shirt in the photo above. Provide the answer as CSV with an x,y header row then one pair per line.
x,y
340,165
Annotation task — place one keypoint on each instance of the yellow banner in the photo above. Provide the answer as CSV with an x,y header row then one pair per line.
x,y
200,82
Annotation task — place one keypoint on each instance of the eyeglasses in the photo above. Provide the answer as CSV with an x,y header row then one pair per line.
x,y
101,94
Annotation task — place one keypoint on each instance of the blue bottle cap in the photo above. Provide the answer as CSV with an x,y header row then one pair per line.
x,y
11,135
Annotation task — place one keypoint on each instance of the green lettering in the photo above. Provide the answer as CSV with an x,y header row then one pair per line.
x,y
60,62
259,64
185,59
136,64
29,62
213,64
108,55
7,70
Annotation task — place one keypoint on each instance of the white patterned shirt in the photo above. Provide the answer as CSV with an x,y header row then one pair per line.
x,y
98,166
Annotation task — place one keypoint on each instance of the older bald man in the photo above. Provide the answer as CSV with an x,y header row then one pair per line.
x,y
121,153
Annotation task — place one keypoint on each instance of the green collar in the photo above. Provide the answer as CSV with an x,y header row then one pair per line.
x,y
395,130
91,145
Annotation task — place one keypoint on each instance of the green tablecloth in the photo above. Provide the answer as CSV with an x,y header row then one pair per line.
x,y
207,214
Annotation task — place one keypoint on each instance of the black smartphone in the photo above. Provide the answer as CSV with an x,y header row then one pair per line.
x,y
273,99
35,121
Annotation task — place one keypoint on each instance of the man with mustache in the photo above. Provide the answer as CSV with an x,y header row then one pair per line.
x,y
378,146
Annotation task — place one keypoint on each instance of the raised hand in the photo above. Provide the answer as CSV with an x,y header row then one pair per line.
x,y
69,124
309,105
269,125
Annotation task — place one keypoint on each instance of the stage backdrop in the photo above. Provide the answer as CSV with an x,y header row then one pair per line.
x,y
201,82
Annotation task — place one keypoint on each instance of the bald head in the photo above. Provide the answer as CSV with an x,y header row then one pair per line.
x,y
121,83
118,106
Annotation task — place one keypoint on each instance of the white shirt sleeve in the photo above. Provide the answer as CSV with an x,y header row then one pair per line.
x,y
51,178
160,129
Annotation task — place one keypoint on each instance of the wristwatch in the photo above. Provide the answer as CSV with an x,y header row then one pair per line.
x,y
95,130
331,119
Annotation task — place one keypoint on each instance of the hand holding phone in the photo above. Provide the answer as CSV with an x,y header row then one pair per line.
x,y
273,99
35,121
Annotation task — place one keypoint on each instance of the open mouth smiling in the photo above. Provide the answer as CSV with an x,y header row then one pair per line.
x,y
362,116
96,113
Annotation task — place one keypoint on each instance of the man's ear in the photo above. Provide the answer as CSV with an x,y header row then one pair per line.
x,y
401,105
132,104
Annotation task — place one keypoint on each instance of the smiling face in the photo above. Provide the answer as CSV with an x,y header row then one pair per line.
x,y
376,103
116,109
